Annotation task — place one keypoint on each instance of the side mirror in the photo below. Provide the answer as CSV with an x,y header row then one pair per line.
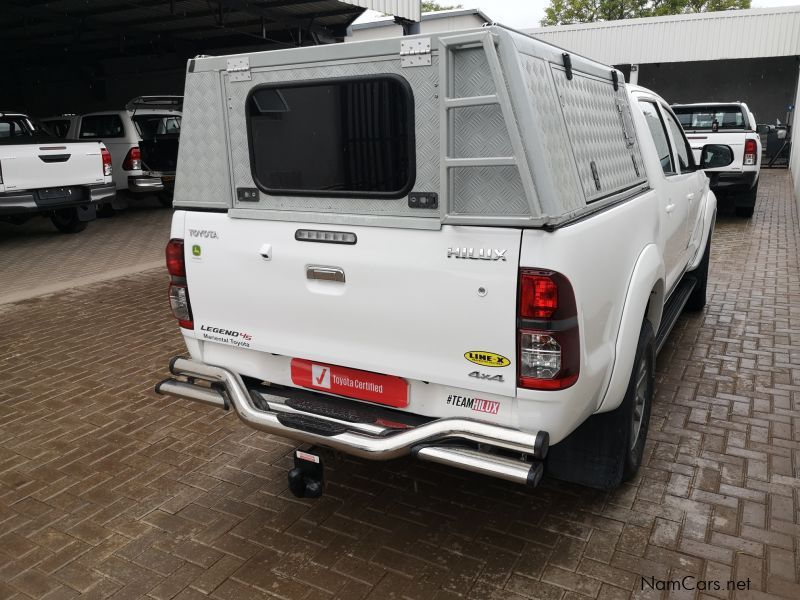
x,y
762,128
713,156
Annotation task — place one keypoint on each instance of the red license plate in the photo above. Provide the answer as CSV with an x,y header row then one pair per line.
x,y
351,383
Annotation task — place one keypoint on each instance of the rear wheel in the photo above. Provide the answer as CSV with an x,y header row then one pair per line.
x,y
66,220
608,447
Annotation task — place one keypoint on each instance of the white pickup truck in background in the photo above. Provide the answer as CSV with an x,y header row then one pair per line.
x,y
44,175
731,124
467,247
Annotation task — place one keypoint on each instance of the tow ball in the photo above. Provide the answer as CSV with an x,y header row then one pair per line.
x,y
307,478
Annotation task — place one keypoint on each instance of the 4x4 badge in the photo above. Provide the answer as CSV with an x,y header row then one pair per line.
x,y
487,377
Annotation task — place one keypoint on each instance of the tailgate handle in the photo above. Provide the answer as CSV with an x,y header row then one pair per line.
x,y
54,158
325,273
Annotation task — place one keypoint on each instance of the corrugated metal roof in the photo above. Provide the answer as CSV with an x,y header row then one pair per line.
x,y
407,9
753,33
49,31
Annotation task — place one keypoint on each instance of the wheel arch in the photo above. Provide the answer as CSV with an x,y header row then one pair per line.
x,y
709,219
644,300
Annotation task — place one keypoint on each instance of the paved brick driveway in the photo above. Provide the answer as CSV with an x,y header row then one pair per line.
x,y
35,259
107,490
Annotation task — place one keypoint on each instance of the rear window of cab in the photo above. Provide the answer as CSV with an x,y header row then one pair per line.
x,y
710,118
350,137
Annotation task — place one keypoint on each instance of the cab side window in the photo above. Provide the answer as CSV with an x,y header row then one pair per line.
x,y
685,157
659,135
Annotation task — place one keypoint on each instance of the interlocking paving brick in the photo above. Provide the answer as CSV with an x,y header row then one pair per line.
x,y
110,491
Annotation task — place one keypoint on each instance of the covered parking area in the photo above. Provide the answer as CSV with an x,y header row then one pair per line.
x,y
74,56
748,55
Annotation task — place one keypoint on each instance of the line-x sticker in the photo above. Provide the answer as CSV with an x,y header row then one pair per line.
x,y
486,359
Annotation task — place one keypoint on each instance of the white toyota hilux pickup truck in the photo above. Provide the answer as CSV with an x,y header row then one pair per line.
x,y
733,125
467,247
41,174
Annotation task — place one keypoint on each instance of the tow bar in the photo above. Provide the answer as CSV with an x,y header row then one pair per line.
x,y
307,478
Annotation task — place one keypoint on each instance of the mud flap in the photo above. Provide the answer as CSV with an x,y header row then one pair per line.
x,y
87,212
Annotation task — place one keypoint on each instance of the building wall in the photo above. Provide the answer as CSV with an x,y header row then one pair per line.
x,y
719,35
426,26
795,157
767,85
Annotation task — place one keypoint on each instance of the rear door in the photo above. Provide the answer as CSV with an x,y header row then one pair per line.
x,y
691,182
672,192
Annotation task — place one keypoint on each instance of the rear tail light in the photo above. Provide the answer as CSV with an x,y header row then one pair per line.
x,y
106,155
547,333
178,286
133,160
750,150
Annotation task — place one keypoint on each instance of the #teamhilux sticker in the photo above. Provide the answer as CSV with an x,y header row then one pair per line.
x,y
486,359
226,336
475,404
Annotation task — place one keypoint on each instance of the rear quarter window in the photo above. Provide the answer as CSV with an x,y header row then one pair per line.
x,y
102,126
351,137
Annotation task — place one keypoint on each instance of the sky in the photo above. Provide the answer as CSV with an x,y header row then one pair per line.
x,y
527,13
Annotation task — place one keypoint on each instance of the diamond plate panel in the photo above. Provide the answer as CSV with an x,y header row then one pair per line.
x,y
472,76
495,191
480,131
597,135
423,82
547,113
202,177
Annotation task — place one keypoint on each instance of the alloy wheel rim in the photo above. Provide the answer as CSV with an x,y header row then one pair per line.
x,y
639,401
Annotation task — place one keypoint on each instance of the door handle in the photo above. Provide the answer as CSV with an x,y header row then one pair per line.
x,y
670,207
690,196
321,273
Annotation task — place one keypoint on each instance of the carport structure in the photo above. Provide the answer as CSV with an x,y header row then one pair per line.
x,y
75,56
748,55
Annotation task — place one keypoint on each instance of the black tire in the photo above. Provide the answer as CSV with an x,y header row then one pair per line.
x,y
608,448
746,202
697,299
66,220
106,211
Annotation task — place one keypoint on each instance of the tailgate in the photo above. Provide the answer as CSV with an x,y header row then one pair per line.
x,y
393,302
57,164
734,140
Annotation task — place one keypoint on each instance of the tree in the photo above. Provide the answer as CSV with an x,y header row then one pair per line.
x,y
565,12
436,7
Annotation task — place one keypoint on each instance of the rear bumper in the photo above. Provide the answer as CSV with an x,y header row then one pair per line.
x,y
140,184
453,441
738,181
28,201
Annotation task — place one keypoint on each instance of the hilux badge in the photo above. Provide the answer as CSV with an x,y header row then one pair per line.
x,y
478,253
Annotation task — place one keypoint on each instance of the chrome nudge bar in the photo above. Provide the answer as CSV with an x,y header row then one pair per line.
x,y
272,414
